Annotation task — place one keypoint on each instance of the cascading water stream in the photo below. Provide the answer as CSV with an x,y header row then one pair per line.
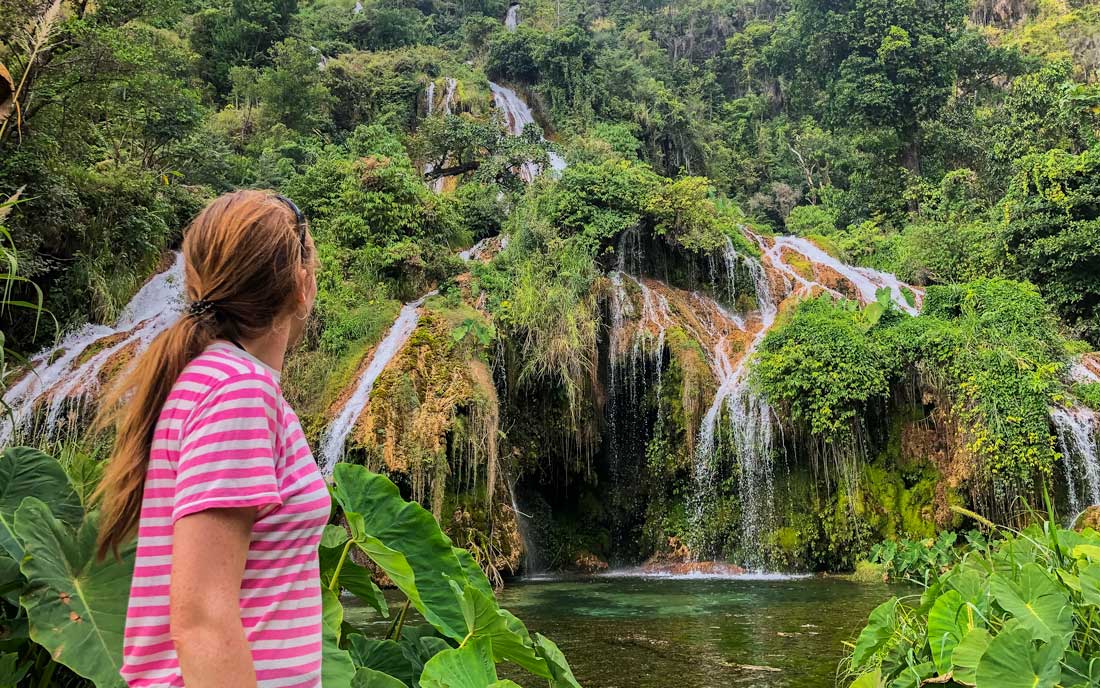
x,y
511,20
532,564
518,115
446,107
1078,429
750,420
865,280
56,379
336,434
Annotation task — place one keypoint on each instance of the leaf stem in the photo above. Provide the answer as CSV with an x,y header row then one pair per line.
x,y
398,622
334,583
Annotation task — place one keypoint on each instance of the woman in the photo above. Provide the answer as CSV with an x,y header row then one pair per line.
x,y
211,468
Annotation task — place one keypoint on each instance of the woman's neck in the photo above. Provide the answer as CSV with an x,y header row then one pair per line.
x,y
270,348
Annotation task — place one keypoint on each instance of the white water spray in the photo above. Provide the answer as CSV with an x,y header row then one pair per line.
x,y
1077,430
336,434
518,115
56,379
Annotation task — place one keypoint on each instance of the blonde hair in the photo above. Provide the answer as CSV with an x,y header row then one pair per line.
x,y
242,259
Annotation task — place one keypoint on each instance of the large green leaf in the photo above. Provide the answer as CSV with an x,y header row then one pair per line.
x,y
871,679
405,528
879,628
947,625
1013,661
967,654
475,576
76,605
337,669
1036,601
400,572
26,472
510,640
369,678
470,666
561,676
1089,579
386,656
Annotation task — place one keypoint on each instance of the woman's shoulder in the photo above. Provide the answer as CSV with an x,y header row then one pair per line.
x,y
221,373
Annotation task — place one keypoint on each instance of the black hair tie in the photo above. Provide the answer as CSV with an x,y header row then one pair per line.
x,y
200,308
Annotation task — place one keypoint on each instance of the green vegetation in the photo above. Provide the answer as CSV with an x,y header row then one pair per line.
x,y
551,403
990,349
1019,610
58,603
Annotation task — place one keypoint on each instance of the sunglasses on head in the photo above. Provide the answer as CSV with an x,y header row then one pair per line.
x,y
299,218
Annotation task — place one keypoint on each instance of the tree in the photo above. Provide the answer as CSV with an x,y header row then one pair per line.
x,y
1052,230
292,90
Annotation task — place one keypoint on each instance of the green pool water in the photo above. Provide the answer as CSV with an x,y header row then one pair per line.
x,y
627,631
634,632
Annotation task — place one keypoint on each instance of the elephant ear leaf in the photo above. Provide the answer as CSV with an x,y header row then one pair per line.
x,y
947,624
469,666
76,606
561,675
404,534
1035,601
26,472
509,638
337,669
1014,661
879,629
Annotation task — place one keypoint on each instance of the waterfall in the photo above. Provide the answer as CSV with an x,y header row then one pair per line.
x,y
446,107
865,280
66,373
1077,430
511,20
532,564
750,420
518,115
336,434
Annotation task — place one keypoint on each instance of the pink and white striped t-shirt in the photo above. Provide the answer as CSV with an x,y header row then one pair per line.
x,y
227,438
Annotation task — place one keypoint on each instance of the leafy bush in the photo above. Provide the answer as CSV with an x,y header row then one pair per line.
x,y
991,347
921,560
57,602
1017,612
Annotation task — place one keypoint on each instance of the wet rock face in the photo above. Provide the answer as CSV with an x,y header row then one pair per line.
x,y
586,562
708,568
1089,518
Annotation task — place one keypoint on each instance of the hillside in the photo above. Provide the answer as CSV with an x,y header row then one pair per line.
x,y
754,282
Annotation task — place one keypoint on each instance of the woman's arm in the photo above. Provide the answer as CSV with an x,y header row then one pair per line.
x,y
208,558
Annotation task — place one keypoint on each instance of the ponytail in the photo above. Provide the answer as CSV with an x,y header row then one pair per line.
x,y
243,256
133,407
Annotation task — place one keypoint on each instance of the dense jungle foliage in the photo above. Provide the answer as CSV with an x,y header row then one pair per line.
x,y
955,144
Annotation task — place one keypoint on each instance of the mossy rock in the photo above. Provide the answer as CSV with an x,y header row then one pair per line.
x,y
1089,518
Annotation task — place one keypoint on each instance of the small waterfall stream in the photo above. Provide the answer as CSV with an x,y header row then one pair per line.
x,y
511,20
336,434
1077,429
446,107
65,374
518,115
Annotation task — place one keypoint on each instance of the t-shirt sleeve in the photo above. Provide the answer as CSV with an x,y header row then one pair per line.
x,y
228,449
